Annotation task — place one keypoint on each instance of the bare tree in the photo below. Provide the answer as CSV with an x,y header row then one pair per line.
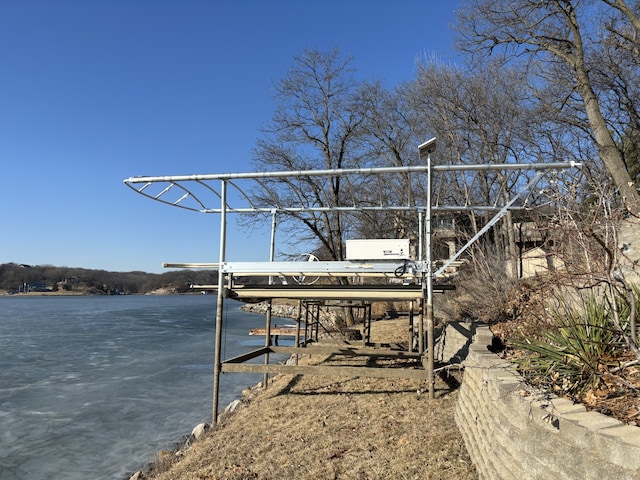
x,y
561,34
316,125
482,116
390,138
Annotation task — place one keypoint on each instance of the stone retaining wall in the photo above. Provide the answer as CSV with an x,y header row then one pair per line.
x,y
515,432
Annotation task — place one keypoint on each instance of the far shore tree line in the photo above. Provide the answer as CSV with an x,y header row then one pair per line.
x,y
19,278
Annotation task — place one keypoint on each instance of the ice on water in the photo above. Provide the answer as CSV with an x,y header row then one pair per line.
x,y
93,387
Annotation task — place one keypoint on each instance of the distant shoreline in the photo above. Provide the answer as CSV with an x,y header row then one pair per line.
x,y
4,293
45,294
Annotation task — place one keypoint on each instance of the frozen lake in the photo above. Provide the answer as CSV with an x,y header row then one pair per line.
x,y
93,387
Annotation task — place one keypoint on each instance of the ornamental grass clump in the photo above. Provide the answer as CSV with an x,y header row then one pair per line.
x,y
576,355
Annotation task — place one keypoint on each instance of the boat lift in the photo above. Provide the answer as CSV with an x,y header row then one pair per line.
x,y
211,193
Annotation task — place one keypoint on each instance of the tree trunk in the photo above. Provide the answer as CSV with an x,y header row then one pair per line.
x,y
609,151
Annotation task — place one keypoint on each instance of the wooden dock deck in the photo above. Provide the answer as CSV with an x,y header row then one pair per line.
x,y
276,331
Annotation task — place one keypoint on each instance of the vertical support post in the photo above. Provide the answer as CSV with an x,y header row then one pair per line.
x,y
366,338
421,304
267,340
267,336
421,327
217,363
316,321
412,328
429,286
427,273
298,319
420,231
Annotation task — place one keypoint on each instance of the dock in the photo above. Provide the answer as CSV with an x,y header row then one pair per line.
x,y
276,332
347,333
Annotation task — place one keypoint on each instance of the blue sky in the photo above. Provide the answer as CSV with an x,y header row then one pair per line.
x,y
95,91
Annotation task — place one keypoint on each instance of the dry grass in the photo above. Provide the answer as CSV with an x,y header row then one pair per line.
x,y
316,427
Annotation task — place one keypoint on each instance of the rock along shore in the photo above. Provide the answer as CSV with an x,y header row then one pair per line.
x,y
283,310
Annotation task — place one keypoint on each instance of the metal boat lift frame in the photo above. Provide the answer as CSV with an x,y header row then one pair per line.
x,y
164,188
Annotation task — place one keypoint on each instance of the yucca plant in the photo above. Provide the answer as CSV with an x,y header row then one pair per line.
x,y
573,357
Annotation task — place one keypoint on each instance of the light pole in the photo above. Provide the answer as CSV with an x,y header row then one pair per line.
x,y
424,150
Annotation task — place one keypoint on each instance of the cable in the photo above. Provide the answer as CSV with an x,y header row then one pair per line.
x,y
401,270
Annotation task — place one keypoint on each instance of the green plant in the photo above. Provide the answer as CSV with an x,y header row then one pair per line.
x,y
573,357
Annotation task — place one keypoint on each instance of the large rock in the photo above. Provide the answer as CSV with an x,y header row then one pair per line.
x,y
198,431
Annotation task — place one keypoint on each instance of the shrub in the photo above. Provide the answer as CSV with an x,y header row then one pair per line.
x,y
578,354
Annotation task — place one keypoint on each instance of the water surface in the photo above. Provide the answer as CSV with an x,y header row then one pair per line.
x,y
93,387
